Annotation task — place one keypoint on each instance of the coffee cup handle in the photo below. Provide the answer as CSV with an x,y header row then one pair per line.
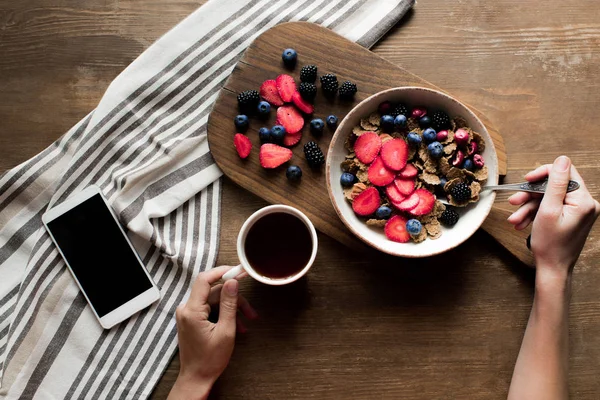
x,y
233,272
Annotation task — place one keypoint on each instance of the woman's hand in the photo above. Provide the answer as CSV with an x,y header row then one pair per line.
x,y
206,347
561,220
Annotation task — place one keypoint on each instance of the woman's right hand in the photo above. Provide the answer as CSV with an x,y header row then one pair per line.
x,y
561,220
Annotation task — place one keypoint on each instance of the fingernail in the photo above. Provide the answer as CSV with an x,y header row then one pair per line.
x,y
562,163
232,287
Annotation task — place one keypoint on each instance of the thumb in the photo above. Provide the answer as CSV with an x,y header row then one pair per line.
x,y
228,306
558,181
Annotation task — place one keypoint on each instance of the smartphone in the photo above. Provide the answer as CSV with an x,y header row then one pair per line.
x,y
100,257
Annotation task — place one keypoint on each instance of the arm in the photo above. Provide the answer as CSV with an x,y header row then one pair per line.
x,y
560,228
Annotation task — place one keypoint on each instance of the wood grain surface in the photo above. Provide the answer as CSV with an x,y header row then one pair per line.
x,y
363,325
331,53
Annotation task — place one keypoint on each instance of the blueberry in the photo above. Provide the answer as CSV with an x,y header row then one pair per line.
x,y
241,123
347,179
383,212
387,123
277,133
264,108
332,121
400,122
414,138
468,164
443,181
413,226
425,122
429,135
293,173
264,134
289,57
316,126
436,150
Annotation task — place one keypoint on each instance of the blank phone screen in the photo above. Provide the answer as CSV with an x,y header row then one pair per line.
x,y
99,255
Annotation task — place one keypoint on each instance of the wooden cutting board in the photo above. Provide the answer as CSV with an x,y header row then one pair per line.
x,y
349,61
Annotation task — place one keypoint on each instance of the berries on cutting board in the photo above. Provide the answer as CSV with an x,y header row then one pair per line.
x,y
347,179
289,57
272,156
440,120
332,121
248,100
286,86
264,109
413,226
414,138
241,123
242,144
383,212
460,192
387,123
449,217
264,135
435,149
400,122
308,73
269,92
307,90
329,84
429,135
316,126
277,134
367,147
290,118
314,155
395,229
399,109
302,104
367,202
290,140
347,90
394,154
293,173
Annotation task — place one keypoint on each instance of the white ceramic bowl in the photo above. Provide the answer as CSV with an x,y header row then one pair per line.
x,y
471,217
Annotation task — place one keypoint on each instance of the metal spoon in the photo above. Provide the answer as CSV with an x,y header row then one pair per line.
x,y
533,187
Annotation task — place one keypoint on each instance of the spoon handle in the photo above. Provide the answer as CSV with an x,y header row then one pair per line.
x,y
533,187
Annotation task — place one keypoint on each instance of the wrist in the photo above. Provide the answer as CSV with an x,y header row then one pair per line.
x,y
189,388
550,279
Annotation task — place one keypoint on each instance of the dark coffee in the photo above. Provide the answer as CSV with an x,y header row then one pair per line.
x,y
278,245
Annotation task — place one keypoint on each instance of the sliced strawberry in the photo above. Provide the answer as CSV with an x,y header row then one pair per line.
x,y
395,229
379,175
367,147
393,193
242,144
290,119
367,202
408,203
269,92
272,155
291,140
394,154
426,202
405,186
286,86
302,104
408,172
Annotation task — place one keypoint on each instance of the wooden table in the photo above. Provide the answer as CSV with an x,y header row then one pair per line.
x,y
363,325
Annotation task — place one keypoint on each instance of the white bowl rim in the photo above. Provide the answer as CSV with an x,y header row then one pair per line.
x,y
485,212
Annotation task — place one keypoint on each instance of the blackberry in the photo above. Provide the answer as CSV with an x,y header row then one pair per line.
x,y
308,73
314,155
461,192
308,91
449,217
440,120
347,90
248,101
329,84
399,109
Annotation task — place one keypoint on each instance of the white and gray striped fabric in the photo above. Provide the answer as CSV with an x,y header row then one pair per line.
x,y
145,146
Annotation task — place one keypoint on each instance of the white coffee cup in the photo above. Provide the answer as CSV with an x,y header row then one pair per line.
x,y
241,241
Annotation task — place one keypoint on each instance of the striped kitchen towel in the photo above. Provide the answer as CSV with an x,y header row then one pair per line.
x,y
145,146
